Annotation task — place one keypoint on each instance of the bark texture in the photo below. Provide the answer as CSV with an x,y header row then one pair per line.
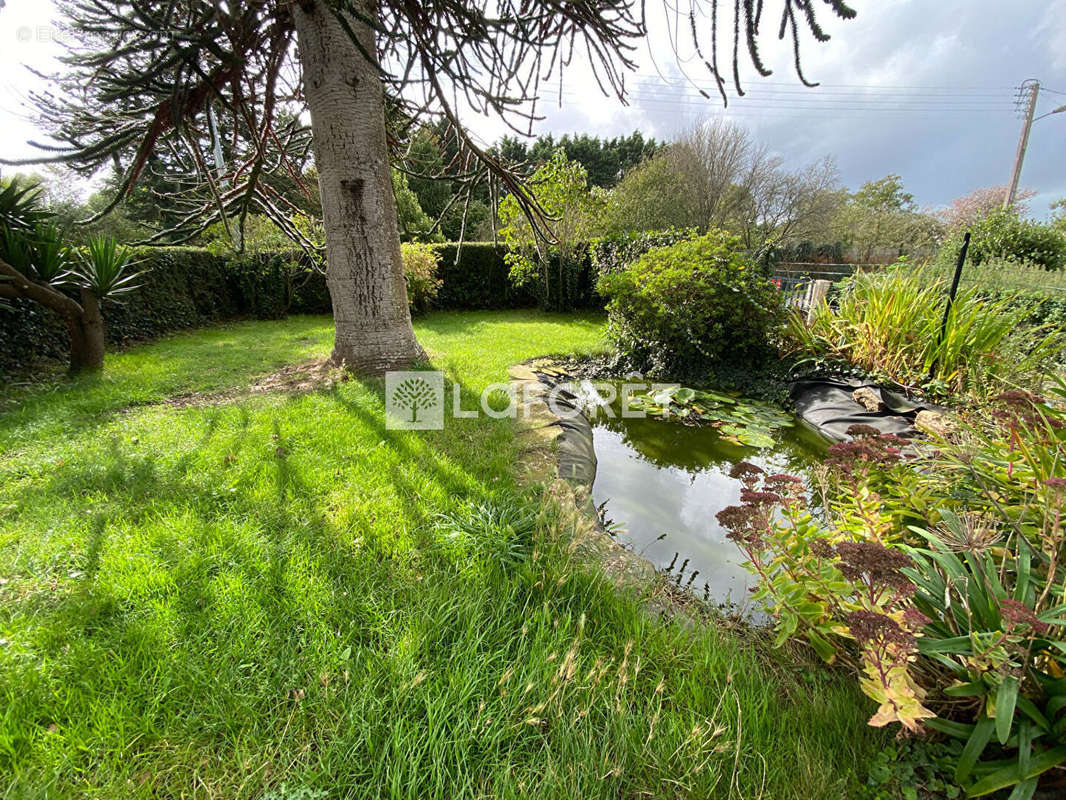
x,y
364,270
87,335
84,322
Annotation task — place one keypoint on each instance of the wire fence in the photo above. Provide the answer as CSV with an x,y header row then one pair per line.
x,y
794,278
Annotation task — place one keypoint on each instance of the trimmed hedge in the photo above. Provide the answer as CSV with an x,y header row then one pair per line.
x,y
184,287
478,278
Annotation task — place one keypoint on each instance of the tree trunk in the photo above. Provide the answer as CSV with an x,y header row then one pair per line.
x,y
84,322
364,271
87,335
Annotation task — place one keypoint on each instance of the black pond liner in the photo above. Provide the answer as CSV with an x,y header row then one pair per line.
x,y
576,452
826,405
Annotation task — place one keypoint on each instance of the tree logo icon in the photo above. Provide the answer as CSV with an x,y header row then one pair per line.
x,y
414,400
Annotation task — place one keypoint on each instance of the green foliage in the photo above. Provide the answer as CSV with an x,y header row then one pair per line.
x,y
414,223
1006,236
261,235
424,157
936,574
475,275
605,160
420,267
691,308
20,206
610,254
30,241
39,253
885,196
888,323
1040,293
106,268
881,216
561,190
914,769
652,197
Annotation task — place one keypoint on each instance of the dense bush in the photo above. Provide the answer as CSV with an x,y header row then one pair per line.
x,y
890,324
691,308
1005,235
610,254
420,263
937,575
1041,293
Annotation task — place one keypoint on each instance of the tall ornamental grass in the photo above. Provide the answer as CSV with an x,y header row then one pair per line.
x,y
889,324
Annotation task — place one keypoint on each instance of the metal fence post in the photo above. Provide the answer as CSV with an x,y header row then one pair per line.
x,y
951,298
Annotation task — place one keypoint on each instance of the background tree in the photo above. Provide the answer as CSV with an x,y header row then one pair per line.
x,y
605,160
979,203
650,198
717,176
775,204
414,223
561,188
152,80
881,219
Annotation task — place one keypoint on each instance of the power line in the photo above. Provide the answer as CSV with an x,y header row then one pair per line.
x,y
771,103
869,86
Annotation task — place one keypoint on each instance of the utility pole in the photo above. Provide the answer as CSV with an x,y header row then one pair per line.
x,y
1032,89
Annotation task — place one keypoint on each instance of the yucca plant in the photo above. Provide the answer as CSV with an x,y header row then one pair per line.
x,y
107,269
35,264
20,207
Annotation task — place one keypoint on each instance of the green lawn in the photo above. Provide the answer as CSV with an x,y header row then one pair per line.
x,y
271,596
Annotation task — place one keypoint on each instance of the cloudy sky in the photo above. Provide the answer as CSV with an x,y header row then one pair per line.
x,y
922,88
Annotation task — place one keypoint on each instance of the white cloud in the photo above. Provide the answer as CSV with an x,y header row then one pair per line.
x,y
931,137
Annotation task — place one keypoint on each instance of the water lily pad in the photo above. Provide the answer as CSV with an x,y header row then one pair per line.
x,y
715,397
748,423
754,437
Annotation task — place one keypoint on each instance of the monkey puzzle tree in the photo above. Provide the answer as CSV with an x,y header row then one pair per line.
x,y
148,81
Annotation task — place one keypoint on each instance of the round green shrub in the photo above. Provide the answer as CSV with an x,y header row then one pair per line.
x,y
696,307
1004,235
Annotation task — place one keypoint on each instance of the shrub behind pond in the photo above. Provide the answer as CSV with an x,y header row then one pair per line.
x,y
696,307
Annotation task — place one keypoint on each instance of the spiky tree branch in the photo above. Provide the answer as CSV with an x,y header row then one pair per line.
x,y
145,80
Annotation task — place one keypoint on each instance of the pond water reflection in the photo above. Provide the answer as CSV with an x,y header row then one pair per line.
x,y
663,482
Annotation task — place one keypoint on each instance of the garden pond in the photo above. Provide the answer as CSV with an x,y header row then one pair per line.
x,y
660,482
